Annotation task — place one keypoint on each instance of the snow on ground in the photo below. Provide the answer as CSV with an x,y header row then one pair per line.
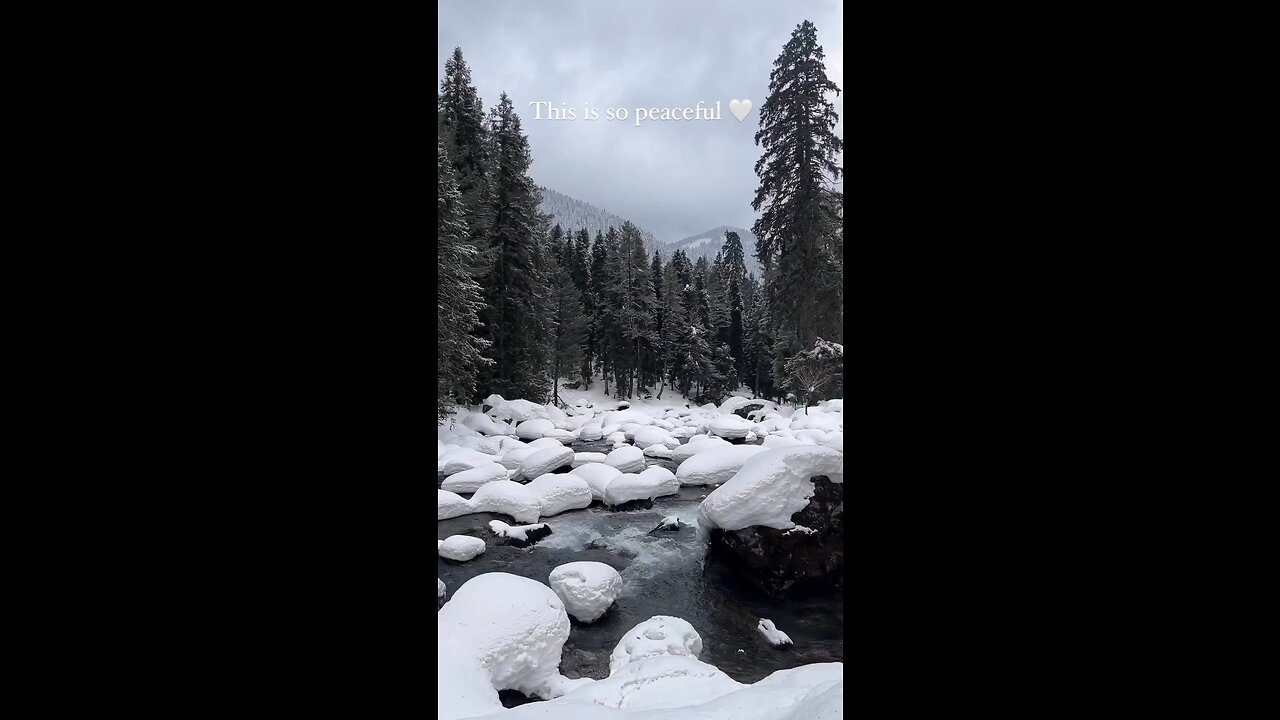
x,y
586,588
715,466
771,633
771,487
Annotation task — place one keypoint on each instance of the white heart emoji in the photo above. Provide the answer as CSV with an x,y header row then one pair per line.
x,y
739,108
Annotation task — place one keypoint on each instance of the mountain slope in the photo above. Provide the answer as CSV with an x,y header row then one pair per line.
x,y
573,214
707,244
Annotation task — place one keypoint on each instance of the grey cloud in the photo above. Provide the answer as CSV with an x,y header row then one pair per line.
x,y
671,178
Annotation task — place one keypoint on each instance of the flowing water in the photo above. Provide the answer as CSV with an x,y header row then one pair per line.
x,y
663,573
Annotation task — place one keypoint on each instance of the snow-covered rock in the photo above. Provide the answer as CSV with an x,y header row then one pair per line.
x,y
486,425
582,458
545,442
817,420
777,441
626,459
564,436
653,435
468,481
520,533
770,487
715,466
658,451
597,476
617,437
771,633
508,498
586,588
451,505
460,547
545,460
440,588
459,459
498,632
697,444
836,441
518,410
659,635
534,429
512,458
590,432
633,486
560,491
730,426
812,436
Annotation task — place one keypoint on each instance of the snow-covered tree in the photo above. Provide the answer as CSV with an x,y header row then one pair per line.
x,y
811,373
458,298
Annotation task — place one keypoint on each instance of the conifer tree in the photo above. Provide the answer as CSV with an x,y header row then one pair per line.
x,y
567,329
797,232
458,298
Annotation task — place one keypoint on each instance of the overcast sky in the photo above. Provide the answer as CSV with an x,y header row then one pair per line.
x,y
672,178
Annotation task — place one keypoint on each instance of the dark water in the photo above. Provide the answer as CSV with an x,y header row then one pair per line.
x,y
663,574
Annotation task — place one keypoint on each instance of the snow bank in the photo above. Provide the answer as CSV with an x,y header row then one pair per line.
x,y
770,487
715,466
460,547
498,632
508,498
450,505
560,492
468,481
597,476
586,588
626,459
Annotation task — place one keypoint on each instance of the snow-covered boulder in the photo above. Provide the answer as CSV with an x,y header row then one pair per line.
x,y
564,436
520,535
697,444
508,498
591,431
715,466
534,429
645,436
730,426
545,460
626,459
561,491
771,633
812,436
512,458
486,425
546,442
777,441
468,481
597,476
518,410
659,635
451,505
632,486
586,588
557,416
770,487
460,547
836,441
440,588
621,417
815,419
498,632
617,437
582,458
458,459
658,451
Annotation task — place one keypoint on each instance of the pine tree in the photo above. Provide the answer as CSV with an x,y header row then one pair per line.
x,y
568,327
603,271
797,233
735,269
458,298
581,272
515,285
461,124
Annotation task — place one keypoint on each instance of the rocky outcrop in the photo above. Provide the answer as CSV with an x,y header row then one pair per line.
x,y
806,560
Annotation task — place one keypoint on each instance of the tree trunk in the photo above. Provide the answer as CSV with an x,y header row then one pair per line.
x,y
555,384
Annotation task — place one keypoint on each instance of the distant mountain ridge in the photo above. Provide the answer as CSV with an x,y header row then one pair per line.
x,y
707,244
573,214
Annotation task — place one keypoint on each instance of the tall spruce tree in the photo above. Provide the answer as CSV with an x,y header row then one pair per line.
x,y
515,285
797,232
568,328
461,124
458,298
581,272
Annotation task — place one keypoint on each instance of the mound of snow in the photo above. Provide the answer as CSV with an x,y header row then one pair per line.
x,y
812,436
534,429
697,444
659,635
729,426
512,458
626,459
770,488
457,459
621,417
582,458
486,425
652,435
564,436
597,476
771,633
560,492
591,431
827,422
498,632
716,466
468,481
460,547
518,410
777,441
836,441
440,587
546,442
586,588
658,451
544,460
515,532
632,486
450,505
508,498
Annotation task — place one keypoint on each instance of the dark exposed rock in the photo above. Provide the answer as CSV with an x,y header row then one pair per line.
x,y
533,536
790,563
563,469
749,407
641,504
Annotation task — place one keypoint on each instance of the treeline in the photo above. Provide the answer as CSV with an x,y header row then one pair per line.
x,y
522,305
